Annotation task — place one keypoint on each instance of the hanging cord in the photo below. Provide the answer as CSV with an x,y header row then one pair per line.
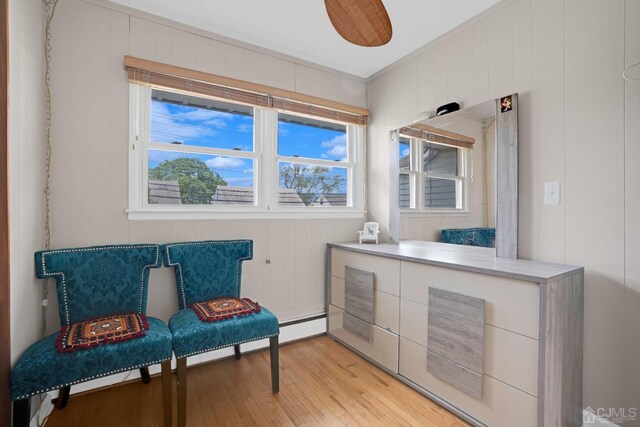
x,y
49,8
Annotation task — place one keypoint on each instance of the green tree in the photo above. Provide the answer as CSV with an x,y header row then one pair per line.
x,y
197,182
310,182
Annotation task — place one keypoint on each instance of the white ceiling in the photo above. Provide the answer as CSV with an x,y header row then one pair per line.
x,y
301,28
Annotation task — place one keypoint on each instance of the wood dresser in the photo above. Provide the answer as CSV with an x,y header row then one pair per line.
x,y
497,341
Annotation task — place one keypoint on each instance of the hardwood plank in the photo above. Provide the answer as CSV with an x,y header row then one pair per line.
x,y
321,383
5,340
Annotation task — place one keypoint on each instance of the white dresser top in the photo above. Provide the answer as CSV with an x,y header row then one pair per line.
x,y
469,258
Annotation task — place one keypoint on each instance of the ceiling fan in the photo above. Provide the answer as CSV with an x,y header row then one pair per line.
x,y
361,22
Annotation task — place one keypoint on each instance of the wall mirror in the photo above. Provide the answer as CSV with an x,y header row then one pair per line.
x,y
454,178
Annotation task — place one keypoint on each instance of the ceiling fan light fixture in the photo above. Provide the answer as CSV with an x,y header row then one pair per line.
x,y
361,22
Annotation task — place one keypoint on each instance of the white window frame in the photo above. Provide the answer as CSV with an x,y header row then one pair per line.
x,y
417,175
266,174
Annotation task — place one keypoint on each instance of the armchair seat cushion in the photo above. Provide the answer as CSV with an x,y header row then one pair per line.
x,y
42,368
192,336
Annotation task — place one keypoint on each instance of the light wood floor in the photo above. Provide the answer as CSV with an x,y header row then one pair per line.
x,y
321,384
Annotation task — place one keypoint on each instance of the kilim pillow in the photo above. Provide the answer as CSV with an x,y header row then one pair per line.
x,y
224,308
103,330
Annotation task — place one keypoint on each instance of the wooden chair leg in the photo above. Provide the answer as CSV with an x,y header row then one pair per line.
x,y
21,412
182,391
63,397
236,348
144,373
167,399
275,364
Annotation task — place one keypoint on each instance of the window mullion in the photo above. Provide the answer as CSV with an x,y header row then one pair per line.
x,y
267,135
419,172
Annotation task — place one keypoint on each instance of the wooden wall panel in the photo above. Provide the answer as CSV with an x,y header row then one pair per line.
x,y
632,205
594,141
500,52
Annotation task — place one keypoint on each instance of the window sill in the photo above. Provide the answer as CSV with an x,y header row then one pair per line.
x,y
204,214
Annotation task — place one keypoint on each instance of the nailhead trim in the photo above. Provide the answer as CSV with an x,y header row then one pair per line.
x,y
226,345
178,266
93,377
64,279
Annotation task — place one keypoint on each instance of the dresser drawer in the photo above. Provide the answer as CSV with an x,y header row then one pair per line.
x,y
510,304
509,357
386,270
501,405
386,306
383,347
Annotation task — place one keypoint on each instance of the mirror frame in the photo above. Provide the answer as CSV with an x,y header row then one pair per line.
x,y
506,180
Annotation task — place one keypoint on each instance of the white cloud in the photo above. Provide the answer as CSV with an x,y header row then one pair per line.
x,y
337,148
337,151
216,123
192,123
224,163
201,115
245,128
168,127
336,141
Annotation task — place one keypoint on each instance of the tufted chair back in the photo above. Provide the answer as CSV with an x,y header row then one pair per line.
x,y
100,280
208,269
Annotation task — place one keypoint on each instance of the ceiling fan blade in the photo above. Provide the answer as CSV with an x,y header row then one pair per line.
x,y
362,22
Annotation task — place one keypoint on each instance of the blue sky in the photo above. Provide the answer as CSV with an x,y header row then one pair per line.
x,y
208,128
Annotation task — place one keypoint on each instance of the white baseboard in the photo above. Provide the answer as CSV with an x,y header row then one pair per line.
x,y
287,333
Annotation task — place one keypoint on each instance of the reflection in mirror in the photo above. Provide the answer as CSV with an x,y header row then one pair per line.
x,y
447,178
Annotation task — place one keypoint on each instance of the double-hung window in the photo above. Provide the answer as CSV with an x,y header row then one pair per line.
x,y
433,176
199,152
315,162
198,156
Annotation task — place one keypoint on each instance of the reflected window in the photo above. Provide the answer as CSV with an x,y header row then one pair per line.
x,y
431,175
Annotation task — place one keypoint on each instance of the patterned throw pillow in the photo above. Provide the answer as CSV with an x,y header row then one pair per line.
x,y
103,330
224,308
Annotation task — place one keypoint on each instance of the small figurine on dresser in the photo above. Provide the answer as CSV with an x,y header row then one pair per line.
x,y
370,233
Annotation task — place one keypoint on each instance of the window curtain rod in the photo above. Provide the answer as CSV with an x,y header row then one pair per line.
x,y
440,136
142,71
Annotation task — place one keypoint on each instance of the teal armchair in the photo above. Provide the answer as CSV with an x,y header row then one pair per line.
x,y
204,271
94,282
